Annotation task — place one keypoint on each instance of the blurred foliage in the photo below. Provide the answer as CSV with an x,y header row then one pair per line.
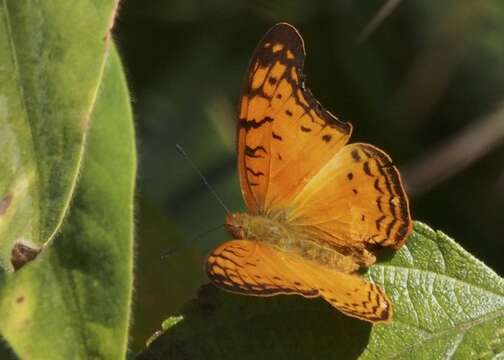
x,y
428,71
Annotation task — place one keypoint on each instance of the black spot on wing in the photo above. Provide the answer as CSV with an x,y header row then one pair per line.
x,y
366,168
379,203
255,152
255,173
379,221
355,155
389,227
377,185
252,124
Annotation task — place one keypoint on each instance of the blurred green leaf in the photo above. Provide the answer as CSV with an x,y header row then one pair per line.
x,y
74,301
52,56
447,304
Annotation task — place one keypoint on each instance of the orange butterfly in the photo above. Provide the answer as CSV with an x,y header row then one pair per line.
x,y
317,207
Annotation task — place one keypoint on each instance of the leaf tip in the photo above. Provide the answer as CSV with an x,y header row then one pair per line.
x,y
424,229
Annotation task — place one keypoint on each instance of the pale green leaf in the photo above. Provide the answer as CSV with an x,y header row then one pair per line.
x,y
52,56
74,301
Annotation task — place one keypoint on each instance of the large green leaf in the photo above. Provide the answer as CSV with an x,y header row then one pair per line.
x,y
74,301
52,56
447,304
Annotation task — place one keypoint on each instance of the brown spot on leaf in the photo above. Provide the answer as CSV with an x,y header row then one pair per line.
x,y
22,253
20,299
5,203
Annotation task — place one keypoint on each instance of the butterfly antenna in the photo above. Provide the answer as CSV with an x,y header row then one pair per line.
x,y
170,252
207,184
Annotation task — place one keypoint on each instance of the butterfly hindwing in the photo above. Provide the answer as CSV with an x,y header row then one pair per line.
x,y
284,135
253,268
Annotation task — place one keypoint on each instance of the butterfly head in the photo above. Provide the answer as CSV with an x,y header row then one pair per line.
x,y
235,225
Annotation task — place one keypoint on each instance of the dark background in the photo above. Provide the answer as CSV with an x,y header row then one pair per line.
x,y
426,86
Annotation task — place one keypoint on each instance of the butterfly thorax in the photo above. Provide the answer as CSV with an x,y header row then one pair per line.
x,y
276,231
255,227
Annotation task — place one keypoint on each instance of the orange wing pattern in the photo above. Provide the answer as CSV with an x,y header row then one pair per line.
x,y
357,198
253,268
284,135
311,192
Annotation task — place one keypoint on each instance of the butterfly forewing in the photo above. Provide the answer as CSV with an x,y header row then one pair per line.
x,y
284,135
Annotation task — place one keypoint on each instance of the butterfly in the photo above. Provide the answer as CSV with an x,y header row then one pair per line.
x,y
317,206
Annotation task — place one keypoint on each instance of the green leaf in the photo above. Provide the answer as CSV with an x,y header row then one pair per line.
x,y
447,304
74,301
52,56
